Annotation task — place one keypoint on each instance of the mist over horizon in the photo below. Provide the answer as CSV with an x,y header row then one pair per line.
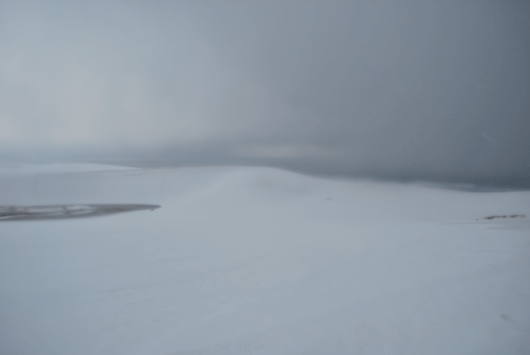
x,y
404,90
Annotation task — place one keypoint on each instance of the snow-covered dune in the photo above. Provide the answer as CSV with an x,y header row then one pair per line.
x,y
262,261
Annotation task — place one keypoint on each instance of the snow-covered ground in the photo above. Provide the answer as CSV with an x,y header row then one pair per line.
x,y
9,170
261,261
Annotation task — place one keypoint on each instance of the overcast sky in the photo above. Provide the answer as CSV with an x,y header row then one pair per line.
x,y
426,88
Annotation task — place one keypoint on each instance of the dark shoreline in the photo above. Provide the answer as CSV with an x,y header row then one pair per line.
x,y
46,212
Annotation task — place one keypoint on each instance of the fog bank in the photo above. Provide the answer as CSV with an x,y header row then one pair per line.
x,y
437,90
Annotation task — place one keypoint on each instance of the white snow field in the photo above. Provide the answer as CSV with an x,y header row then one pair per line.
x,y
7,170
241,260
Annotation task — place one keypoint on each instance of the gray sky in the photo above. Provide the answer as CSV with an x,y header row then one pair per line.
x,y
397,88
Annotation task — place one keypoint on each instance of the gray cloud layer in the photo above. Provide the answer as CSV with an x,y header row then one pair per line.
x,y
427,89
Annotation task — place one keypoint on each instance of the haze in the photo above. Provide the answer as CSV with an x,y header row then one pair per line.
x,y
423,90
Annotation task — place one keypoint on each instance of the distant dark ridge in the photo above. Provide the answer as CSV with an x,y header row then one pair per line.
x,y
518,183
308,167
515,180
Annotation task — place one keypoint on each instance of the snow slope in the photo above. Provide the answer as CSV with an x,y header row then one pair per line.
x,y
9,170
262,261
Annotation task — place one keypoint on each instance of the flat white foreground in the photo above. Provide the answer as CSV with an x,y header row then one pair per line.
x,y
262,261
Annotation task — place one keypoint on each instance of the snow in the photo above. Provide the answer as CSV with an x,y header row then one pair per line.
x,y
25,169
242,260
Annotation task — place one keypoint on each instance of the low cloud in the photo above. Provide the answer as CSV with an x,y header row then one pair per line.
x,y
429,90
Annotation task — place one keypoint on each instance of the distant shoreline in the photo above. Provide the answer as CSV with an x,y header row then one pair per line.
x,y
27,213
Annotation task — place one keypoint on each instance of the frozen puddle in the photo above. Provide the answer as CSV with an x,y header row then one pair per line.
x,y
24,213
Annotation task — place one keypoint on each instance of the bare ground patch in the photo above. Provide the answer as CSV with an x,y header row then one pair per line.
x,y
503,216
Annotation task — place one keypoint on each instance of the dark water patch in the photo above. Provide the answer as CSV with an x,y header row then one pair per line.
x,y
26,213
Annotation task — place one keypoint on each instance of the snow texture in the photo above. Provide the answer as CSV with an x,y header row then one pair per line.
x,y
262,261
